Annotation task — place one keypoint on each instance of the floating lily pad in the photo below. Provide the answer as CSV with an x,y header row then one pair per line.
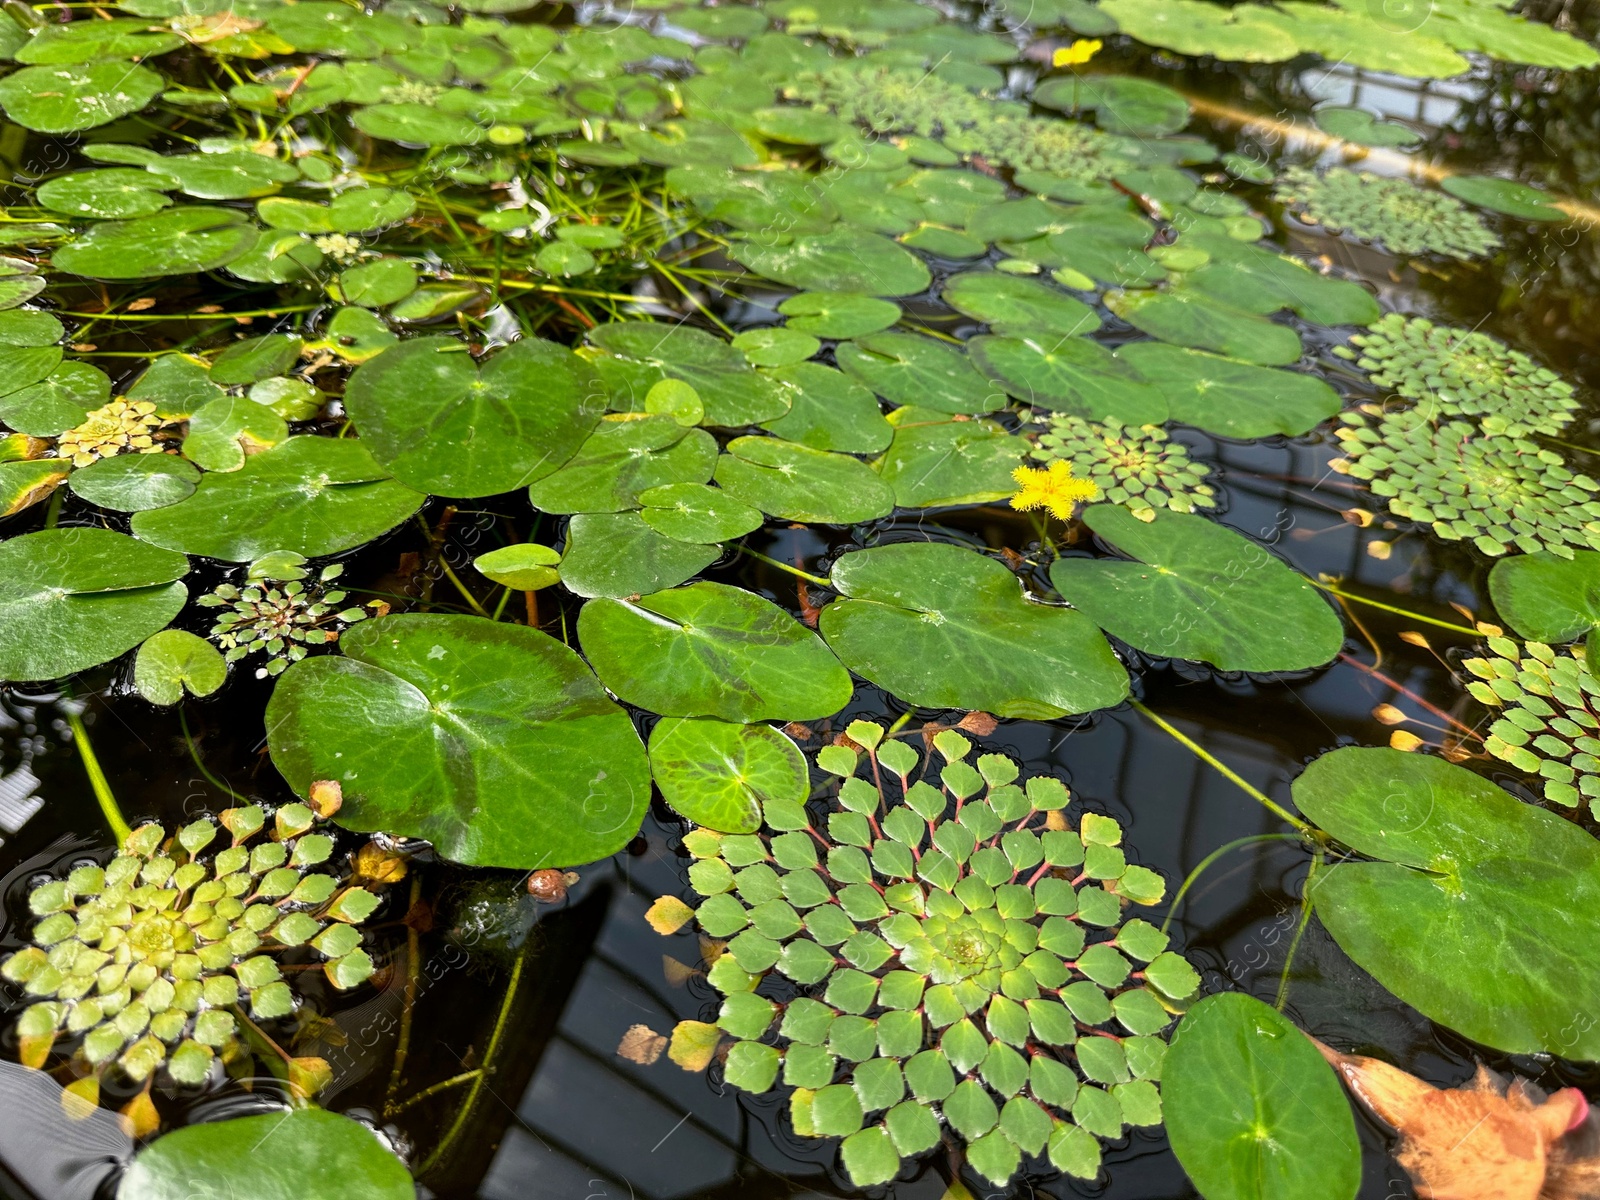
x,y
1120,103
71,599
941,626
729,387
694,512
1496,942
255,359
1358,125
1070,375
907,368
1192,318
620,459
839,314
1546,598
618,554
229,176
305,1154
1018,307
711,650
177,241
1503,196
226,432
1253,1111
1198,591
796,483
525,567
1232,398
379,283
55,403
65,99
721,775
417,125
1257,280
830,411
492,741
112,193
776,346
935,460
309,495
136,482
845,260
443,424
175,661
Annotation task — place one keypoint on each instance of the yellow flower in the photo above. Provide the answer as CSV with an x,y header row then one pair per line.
x,y
1053,488
1077,54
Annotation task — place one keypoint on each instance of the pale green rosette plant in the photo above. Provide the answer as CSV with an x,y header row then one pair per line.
x,y
941,950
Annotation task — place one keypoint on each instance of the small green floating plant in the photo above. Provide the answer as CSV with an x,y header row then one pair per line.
x,y
160,957
956,956
1406,218
1139,467
277,614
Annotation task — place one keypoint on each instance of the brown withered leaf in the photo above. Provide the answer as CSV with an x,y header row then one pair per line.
x,y
979,724
675,972
641,1045
1489,1139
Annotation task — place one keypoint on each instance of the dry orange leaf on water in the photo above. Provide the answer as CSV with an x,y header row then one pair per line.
x,y
641,1044
1489,1139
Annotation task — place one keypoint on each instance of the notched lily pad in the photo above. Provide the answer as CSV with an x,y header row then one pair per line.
x,y
721,775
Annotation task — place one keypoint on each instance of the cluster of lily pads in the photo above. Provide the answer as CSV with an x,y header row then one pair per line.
x,y
955,953
532,307
154,959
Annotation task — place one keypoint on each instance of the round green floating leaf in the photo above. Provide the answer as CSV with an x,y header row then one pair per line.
x,y
694,512
830,411
798,126
1071,375
108,194
936,460
1121,103
1199,591
846,260
1252,1109
136,482
65,99
380,283
712,650
1192,318
524,568
306,1154
907,368
71,599
492,741
721,775
676,399
945,627
443,424
839,314
796,483
309,495
417,125
623,458
1258,280
619,554
776,346
175,661
1020,307
255,359
1503,196
1232,398
177,241
870,1157
729,387
1360,126
1495,943
1547,598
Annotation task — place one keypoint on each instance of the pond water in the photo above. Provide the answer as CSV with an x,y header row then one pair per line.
x,y
485,1048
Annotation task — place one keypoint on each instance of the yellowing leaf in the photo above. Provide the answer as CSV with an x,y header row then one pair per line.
x,y
694,1044
668,915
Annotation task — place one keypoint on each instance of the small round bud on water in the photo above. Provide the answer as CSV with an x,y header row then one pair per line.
x,y
326,797
547,886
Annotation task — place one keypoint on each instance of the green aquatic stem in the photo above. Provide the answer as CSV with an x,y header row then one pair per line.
x,y
1299,932
783,566
120,828
194,754
1389,608
502,1018
1193,876
1306,829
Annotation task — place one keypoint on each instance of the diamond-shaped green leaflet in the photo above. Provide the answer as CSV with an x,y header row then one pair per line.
x,y
751,1066
900,1033
836,1111
912,1127
964,1045
804,961
1004,1069
1026,1124
970,1109
746,1015
879,1083
808,1066
806,1020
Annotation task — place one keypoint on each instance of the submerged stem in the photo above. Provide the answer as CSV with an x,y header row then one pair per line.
x,y
1299,932
194,753
1193,876
402,1048
783,566
467,1105
120,828
1227,772
1343,595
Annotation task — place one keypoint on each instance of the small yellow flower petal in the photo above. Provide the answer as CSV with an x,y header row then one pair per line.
x,y
1075,55
1053,489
